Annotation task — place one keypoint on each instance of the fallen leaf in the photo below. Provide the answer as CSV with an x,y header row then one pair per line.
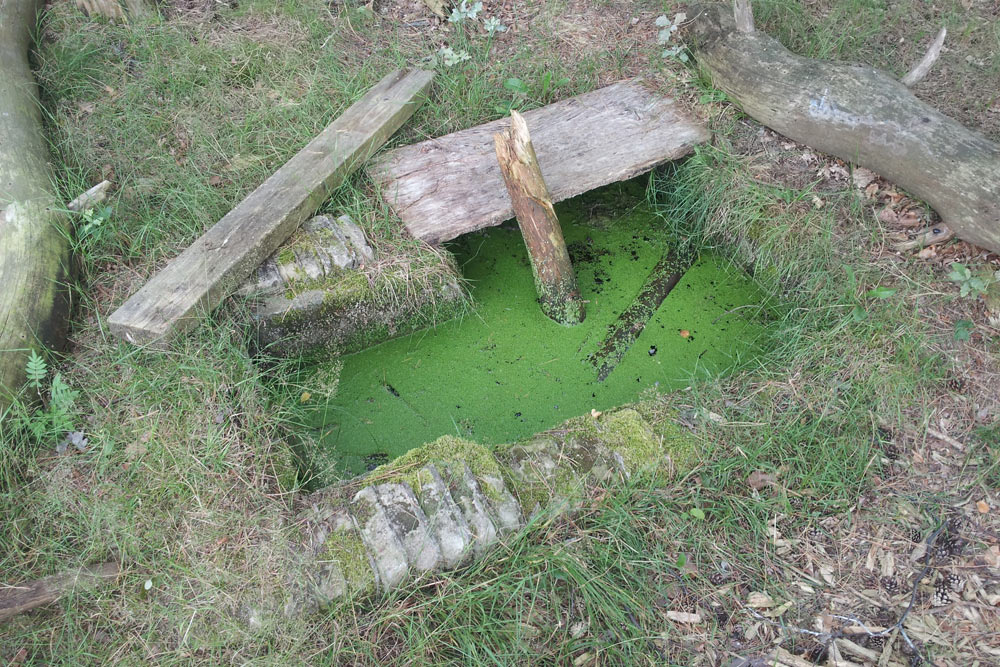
x,y
862,177
888,216
983,507
817,202
685,333
778,611
871,191
927,253
305,397
595,413
758,479
215,180
683,617
758,600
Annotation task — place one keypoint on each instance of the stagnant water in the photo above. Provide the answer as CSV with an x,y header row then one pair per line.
x,y
505,371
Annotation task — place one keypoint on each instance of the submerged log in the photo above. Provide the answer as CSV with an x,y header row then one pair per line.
x,y
630,324
555,281
859,114
34,234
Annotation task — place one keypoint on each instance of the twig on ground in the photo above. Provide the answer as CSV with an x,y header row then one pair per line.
x,y
91,196
928,237
944,437
924,66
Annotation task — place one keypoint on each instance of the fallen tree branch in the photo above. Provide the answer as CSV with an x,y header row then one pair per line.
x,y
930,236
858,114
94,195
24,597
924,66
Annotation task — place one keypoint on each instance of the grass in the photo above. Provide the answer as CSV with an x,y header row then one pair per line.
x,y
185,477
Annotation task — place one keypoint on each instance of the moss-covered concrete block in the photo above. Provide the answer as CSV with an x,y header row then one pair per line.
x,y
325,289
452,499
447,521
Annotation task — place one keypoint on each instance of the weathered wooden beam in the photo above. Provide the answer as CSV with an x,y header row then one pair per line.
x,y
856,113
555,281
19,598
199,278
630,324
451,185
34,233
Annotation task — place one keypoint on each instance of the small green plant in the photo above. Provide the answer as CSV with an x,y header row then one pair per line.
x,y
547,84
92,222
968,283
446,56
963,330
667,29
492,25
57,416
463,11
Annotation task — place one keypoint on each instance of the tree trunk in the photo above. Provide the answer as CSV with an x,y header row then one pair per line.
x,y
859,114
34,234
555,281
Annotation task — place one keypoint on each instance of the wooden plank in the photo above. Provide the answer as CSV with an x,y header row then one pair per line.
x,y
452,185
199,278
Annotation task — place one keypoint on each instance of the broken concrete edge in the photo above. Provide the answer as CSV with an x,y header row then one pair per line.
x,y
325,291
452,500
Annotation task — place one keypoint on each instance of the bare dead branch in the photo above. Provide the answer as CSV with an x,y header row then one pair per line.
x,y
924,66
92,196
744,15
928,237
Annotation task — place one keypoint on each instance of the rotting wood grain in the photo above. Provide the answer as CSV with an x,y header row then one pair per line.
x,y
444,187
555,281
199,278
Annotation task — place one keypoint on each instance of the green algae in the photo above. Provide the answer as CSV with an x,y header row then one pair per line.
x,y
506,371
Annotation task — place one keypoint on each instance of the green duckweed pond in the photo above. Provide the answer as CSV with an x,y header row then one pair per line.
x,y
504,371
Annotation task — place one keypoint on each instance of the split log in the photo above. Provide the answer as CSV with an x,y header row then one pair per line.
x,y
555,281
859,114
24,597
210,269
34,234
630,324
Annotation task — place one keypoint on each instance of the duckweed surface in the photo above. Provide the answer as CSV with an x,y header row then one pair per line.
x,y
506,371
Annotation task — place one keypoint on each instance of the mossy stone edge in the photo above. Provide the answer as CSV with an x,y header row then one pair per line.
x,y
461,498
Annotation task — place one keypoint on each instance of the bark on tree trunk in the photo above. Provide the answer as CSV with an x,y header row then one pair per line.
x,y
859,114
34,234
555,281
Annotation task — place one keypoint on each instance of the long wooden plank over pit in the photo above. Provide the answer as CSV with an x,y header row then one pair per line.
x,y
199,278
444,187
